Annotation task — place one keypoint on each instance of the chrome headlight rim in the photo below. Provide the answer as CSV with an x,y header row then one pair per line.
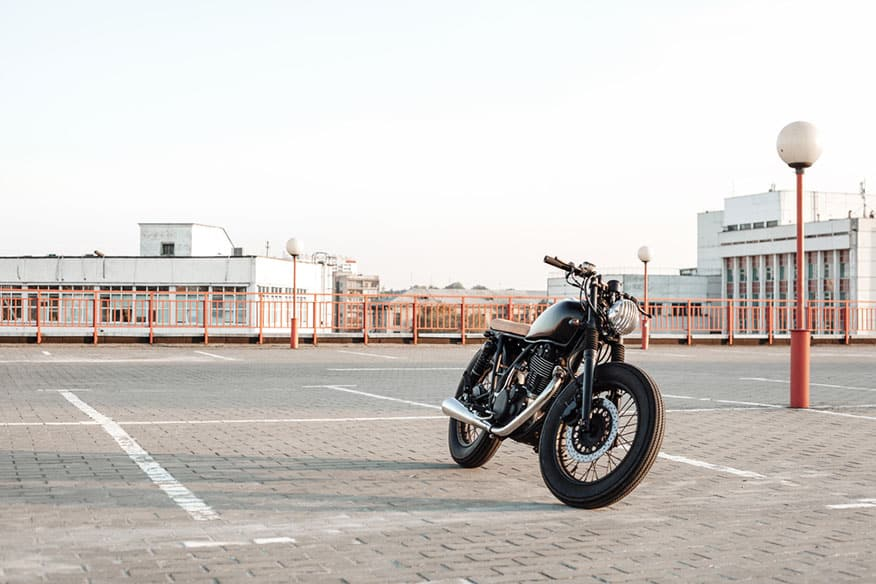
x,y
623,316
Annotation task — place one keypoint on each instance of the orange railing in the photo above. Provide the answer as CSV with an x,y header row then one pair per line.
x,y
164,315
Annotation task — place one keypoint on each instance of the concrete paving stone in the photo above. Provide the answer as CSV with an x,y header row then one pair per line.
x,y
355,495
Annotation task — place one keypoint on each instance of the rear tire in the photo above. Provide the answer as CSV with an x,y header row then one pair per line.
x,y
602,465
470,447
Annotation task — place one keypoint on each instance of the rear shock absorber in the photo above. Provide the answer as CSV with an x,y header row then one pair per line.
x,y
486,355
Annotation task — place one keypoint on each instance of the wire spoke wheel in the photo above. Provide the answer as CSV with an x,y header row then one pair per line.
x,y
469,445
597,465
588,455
467,434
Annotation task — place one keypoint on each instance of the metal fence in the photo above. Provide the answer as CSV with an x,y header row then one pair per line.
x,y
163,315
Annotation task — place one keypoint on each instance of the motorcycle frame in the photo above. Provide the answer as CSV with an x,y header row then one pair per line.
x,y
586,342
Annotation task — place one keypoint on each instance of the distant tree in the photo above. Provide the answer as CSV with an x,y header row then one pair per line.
x,y
479,287
455,286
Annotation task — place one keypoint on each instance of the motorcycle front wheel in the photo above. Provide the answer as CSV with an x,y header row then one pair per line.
x,y
470,447
600,465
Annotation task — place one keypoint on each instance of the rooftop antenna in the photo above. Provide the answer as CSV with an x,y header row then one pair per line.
x,y
267,249
863,186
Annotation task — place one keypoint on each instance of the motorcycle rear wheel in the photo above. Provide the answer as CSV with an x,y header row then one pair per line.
x,y
470,447
601,465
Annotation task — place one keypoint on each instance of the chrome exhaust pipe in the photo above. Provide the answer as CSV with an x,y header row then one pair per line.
x,y
455,409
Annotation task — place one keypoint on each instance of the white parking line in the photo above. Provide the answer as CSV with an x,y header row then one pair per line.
x,y
346,389
827,385
177,492
212,544
394,369
745,403
199,544
716,467
860,504
367,354
270,540
722,401
68,361
215,356
829,413
13,424
232,421
275,420
700,410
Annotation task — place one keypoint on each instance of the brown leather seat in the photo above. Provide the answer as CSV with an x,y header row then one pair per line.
x,y
503,325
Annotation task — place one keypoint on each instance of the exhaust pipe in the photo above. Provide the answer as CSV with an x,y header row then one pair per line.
x,y
455,409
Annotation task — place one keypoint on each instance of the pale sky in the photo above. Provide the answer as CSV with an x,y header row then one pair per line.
x,y
432,141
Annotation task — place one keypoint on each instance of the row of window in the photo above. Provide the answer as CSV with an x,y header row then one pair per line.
x,y
754,225
769,275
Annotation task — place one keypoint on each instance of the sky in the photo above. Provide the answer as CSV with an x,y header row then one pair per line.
x,y
433,141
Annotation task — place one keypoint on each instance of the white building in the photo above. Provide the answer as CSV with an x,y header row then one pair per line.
x,y
186,240
754,244
185,271
747,251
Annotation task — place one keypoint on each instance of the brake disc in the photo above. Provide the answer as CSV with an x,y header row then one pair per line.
x,y
589,446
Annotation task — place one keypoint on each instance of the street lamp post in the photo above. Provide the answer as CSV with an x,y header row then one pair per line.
x,y
293,246
799,148
645,257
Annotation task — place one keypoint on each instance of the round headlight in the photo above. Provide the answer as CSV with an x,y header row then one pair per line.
x,y
623,316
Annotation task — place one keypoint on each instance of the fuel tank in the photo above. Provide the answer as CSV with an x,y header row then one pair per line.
x,y
553,323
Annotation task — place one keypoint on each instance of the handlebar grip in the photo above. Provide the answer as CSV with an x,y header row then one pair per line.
x,y
556,262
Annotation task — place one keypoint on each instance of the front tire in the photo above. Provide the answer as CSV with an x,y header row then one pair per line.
x,y
470,447
601,465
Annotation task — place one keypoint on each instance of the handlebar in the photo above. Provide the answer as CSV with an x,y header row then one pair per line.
x,y
585,270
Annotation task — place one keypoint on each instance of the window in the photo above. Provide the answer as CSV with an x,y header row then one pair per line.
x,y
167,249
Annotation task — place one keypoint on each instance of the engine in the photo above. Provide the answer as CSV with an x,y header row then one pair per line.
x,y
541,368
510,401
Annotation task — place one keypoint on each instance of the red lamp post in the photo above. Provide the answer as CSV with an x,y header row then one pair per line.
x,y
293,246
645,257
799,148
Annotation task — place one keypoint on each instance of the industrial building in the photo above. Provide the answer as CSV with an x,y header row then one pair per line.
x,y
753,244
187,275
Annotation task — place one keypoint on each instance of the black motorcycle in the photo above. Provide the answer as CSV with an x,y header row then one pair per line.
x,y
562,386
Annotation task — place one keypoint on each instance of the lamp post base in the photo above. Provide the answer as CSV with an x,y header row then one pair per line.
x,y
293,338
645,335
800,368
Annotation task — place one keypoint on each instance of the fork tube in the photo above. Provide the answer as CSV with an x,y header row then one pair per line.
x,y
589,364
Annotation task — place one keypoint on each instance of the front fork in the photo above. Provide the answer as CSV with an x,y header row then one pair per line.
x,y
588,363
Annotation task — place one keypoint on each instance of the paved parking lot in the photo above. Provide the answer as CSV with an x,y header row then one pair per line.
x,y
329,464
